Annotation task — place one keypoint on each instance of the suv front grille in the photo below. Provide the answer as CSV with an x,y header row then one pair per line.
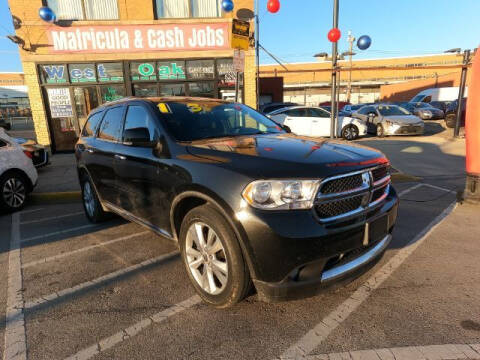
x,y
342,184
349,195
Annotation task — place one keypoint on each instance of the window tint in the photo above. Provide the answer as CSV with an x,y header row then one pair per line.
x,y
319,113
138,117
427,99
111,127
92,124
301,112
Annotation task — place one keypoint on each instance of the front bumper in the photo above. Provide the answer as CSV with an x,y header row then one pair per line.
x,y
405,130
296,256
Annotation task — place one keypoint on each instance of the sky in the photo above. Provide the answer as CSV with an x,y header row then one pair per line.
x,y
299,29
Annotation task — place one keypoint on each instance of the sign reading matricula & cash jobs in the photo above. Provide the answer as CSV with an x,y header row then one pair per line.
x,y
139,38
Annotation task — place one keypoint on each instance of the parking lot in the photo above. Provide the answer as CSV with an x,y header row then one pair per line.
x,y
117,291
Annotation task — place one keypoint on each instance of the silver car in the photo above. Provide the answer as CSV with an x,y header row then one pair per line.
x,y
385,119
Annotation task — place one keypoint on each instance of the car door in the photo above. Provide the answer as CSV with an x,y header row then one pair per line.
x,y
320,122
103,148
142,174
298,121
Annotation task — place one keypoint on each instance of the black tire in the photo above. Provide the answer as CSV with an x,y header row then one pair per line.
x,y
238,282
380,131
450,120
14,188
350,132
95,214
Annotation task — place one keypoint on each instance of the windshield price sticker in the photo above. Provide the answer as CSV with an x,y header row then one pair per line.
x,y
164,108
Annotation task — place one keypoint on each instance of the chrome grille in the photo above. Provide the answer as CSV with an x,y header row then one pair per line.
x,y
351,194
342,184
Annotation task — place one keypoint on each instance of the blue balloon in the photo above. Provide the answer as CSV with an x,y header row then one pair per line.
x,y
364,42
46,14
227,5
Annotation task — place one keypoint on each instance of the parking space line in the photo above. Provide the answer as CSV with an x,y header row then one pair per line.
x,y
52,218
322,330
406,191
125,334
23,212
439,188
59,256
58,232
15,341
99,280
440,352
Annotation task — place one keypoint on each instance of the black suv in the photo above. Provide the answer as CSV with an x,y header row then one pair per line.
x,y
245,200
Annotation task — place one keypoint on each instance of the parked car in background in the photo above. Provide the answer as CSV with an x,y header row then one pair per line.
x,y
424,111
245,201
18,176
451,114
268,108
387,119
38,153
442,105
341,104
437,94
4,124
315,121
348,110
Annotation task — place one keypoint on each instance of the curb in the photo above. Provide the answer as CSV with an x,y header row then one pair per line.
x,y
55,197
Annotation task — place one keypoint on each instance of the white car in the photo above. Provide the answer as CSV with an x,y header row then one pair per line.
x,y
315,121
18,176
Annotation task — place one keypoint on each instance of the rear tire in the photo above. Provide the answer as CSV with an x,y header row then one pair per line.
x,y
91,204
380,131
450,120
350,132
213,258
13,191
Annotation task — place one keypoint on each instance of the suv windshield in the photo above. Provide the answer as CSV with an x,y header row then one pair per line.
x,y
392,110
196,120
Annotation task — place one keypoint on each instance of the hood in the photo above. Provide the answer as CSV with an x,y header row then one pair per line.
x,y
403,119
284,155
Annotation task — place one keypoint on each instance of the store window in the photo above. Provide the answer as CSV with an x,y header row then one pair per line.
x,y
143,71
110,72
187,8
201,69
171,70
112,92
145,90
54,74
172,89
226,73
82,73
201,89
84,9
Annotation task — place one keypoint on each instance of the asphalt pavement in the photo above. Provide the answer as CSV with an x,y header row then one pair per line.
x,y
117,291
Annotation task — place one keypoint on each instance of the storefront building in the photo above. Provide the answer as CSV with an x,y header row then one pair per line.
x,y
102,50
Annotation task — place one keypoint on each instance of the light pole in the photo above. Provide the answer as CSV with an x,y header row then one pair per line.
x,y
350,53
461,90
333,113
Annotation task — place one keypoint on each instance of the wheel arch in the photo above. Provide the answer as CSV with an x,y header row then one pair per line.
x,y
189,199
23,174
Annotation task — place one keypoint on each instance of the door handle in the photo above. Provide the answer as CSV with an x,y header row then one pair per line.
x,y
120,157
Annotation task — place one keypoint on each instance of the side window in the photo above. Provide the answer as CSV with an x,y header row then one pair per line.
x,y
296,112
111,128
319,113
139,117
362,110
427,99
91,125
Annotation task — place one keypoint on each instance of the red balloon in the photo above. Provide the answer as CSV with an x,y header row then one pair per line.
x,y
334,35
273,6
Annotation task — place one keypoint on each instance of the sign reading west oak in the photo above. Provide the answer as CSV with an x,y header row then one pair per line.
x,y
135,38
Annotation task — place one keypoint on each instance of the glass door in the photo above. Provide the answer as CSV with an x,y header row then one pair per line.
x,y
86,99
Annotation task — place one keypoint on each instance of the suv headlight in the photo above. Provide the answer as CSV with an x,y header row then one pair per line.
x,y
281,194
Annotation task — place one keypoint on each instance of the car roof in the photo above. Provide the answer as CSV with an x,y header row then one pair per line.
x,y
274,112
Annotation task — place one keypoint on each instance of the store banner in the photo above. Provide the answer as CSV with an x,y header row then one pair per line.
x,y
139,38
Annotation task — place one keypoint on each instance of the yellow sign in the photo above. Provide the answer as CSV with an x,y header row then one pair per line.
x,y
240,34
163,108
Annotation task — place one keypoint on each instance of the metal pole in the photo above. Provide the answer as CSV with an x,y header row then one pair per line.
x,y
257,51
237,86
461,91
334,74
351,39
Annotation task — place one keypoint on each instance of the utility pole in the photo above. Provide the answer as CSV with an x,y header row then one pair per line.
x,y
351,40
257,51
461,91
334,73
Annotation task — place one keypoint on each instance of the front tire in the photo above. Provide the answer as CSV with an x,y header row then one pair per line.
x,y
91,204
13,191
350,132
380,131
213,258
450,120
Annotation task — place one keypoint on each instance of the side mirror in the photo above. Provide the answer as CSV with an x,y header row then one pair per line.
x,y
287,128
138,137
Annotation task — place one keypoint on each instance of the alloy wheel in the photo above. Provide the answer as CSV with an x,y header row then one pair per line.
x,y
350,133
88,198
14,192
206,258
